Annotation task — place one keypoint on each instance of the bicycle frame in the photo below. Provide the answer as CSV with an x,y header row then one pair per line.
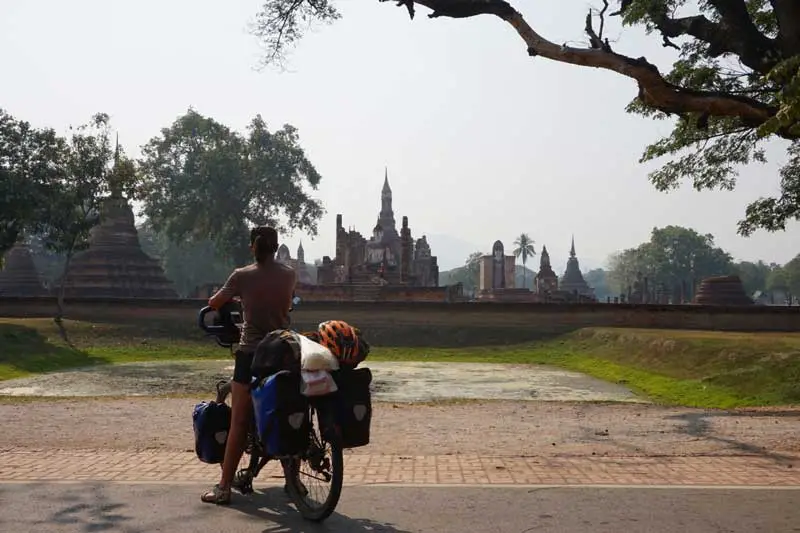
x,y
253,447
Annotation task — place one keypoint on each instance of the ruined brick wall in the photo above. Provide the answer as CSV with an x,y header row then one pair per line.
x,y
431,323
347,293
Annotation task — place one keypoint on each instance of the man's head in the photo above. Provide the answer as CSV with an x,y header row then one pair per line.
x,y
263,243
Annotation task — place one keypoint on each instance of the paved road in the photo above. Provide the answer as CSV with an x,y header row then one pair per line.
x,y
140,508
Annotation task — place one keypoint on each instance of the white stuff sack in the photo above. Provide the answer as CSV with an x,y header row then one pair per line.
x,y
317,383
314,356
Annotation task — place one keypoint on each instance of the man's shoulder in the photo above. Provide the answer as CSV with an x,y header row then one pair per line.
x,y
246,269
283,267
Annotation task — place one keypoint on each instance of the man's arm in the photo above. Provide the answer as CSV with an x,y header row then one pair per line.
x,y
228,291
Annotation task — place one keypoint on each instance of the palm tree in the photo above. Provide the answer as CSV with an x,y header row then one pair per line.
x,y
524,249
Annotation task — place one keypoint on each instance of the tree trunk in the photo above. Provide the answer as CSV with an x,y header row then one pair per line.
x,y
524,275
62,288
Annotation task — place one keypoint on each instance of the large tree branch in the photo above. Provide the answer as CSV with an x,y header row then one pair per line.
x,y
788,14
654,90
754,50
735,33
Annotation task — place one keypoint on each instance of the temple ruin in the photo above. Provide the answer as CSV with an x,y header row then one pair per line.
x,y
386,258
299,264
114,265
572,282
722,290
19,276
571,286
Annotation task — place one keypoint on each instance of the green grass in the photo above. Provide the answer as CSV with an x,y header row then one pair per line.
x,y
690,368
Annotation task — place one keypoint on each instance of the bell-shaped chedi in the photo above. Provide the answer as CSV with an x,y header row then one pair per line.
x,y
572,281
114,265
19,276
722,290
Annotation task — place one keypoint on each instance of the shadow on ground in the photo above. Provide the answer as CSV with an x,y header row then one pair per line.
x,y
97,508
698,424
27,350
273,508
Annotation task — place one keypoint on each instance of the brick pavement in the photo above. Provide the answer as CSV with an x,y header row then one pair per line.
x,y
17,464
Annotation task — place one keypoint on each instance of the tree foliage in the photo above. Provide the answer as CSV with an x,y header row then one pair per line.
x,y
734,83
190,264
785,278
203,180
87,175
524,249
673,255
31,160
754,276
597,278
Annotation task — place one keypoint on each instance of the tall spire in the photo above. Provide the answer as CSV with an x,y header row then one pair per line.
x,y
386,188
572,248
386,217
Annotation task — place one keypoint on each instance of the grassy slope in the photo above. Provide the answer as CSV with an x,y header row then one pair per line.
x,y
693,368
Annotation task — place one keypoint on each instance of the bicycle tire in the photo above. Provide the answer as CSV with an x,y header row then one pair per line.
x,y
293,484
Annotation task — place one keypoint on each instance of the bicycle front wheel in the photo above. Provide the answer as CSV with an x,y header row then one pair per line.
x,y
319,471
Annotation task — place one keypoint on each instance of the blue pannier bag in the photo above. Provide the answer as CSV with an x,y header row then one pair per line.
x,y
281,414
211,421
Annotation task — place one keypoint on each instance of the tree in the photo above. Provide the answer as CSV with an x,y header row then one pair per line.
x,y
467,275
205,181
735,82
625,266
28,163
189,264
598,279
524,249
472,268
786,277
753,275
86,176
673,256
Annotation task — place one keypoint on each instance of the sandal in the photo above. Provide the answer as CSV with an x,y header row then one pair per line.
x,y
217,496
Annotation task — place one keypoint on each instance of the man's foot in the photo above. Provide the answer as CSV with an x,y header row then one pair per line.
x,y
217,496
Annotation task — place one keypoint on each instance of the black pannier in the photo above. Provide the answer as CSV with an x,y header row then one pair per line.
x,y
354,406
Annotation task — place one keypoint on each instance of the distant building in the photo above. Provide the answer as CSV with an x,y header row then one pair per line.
x,y
388,257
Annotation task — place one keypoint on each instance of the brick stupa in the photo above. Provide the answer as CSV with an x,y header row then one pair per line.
x,y
19,276
722,290
114,265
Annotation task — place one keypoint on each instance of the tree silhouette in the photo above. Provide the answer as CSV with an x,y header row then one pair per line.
x,y
524,249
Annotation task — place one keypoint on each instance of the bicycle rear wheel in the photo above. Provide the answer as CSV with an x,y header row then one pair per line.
x,y
323,462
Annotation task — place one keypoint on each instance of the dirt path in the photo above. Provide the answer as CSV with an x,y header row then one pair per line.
x,y
483,428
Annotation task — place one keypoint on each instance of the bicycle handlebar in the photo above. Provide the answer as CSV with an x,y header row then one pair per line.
x,y
201,322
221,332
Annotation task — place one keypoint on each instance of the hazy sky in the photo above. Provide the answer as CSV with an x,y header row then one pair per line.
x,y
481,141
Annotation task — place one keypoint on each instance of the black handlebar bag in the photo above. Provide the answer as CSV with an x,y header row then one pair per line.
x,y
279,350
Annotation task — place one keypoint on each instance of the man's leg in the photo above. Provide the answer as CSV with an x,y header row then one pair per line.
x,y
241,416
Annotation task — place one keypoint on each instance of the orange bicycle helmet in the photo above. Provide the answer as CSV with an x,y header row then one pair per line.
x,y
342,340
